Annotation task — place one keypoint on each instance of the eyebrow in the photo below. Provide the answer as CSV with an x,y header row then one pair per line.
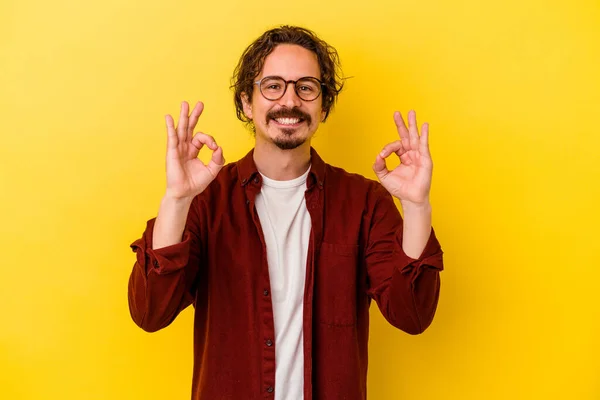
x,y
279,76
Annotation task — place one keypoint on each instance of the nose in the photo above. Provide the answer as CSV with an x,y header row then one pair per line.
x,y
290,99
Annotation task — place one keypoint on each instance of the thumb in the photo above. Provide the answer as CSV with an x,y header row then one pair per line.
x,y
380,168
216,162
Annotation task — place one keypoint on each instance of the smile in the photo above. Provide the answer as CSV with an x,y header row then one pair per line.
x,y
288,121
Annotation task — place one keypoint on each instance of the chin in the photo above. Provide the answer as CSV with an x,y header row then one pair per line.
x,y
287,138
288,143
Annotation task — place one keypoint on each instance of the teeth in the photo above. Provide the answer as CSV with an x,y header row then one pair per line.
x,y
287,121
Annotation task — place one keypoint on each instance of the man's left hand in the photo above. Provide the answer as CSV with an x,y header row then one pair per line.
x,y
410,181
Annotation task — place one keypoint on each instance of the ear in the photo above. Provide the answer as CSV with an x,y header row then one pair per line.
x,y
247,105
323,115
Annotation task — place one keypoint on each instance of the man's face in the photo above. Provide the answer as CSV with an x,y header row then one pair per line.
x,y
290,121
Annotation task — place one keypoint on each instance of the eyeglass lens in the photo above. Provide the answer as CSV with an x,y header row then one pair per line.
x,y
273,88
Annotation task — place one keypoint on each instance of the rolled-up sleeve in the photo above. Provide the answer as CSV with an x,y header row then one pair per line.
x,y
405,289
163,281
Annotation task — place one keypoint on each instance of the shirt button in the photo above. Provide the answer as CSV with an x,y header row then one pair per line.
x,y
266,292
269,342
247,202
256,180
270,389
155,263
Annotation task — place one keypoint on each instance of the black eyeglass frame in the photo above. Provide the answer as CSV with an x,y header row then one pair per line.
x,y
287,82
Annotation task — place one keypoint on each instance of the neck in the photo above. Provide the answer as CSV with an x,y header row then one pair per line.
x,y
281,165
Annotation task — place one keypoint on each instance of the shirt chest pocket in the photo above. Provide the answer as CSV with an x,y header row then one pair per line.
x,y
335,286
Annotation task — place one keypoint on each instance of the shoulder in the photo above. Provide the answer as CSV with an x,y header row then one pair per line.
x,y
224,184
343,181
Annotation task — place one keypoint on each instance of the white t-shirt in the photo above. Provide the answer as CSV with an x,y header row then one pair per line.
x,y
286,225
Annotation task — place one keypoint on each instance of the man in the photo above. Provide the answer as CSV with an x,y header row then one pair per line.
x,y
281,253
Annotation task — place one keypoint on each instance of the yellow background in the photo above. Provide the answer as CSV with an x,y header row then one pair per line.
x,y
511,90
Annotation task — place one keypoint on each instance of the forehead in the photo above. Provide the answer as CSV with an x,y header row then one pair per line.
x,y
291,62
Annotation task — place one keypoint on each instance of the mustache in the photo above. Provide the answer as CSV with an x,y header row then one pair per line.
x,y
289,113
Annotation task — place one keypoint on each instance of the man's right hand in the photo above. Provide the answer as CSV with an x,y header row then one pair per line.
x,y
187,175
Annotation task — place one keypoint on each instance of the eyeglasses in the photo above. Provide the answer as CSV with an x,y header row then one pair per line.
x,y
274,87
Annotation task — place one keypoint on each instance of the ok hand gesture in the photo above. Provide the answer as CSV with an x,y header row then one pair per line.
x,y
411,180
187,175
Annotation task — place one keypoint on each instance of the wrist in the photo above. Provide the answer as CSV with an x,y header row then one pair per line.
x,y
176,202
409,206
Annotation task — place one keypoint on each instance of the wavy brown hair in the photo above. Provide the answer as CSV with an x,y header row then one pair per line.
x,y
253,59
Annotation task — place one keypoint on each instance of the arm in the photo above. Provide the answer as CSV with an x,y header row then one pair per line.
x,y
416,228
406,289
168,255
404,257
162,282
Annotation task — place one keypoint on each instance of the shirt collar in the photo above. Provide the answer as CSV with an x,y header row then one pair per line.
x,y
247,169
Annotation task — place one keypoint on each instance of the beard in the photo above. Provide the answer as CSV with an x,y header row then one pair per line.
x,y
287,140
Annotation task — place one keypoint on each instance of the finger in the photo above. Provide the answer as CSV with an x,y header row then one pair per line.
x,y
405,159
183,121
200,139
379,167
196,112
393,147
172,140
413,130
424,142
401,127
216,162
